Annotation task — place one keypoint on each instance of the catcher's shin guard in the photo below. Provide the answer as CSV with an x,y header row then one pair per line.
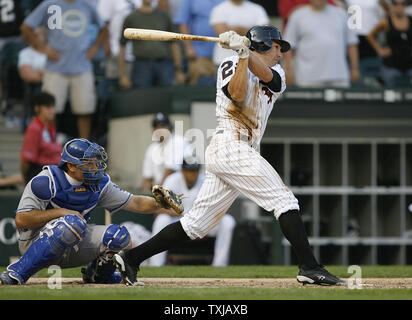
x,y
64,233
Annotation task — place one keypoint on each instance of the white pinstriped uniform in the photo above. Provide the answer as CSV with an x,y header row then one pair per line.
x,y
233,166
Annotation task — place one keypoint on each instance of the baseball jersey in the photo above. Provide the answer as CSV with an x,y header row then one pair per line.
x,y
111,197
251,117
177,183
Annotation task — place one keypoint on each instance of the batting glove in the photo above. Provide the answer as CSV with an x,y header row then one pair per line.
x,y
240,45
224,39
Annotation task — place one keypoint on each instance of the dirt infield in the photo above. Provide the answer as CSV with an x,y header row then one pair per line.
x,y
372,283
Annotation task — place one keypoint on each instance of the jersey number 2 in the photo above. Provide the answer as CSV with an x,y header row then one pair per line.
x,y
7,14
227,69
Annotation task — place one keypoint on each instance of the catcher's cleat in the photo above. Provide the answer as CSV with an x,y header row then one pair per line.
x,y
6,279
319,276
127,270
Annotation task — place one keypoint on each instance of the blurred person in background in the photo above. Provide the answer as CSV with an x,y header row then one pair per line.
x,y
372,11
238,16
33,62
156,63
11,17
31,65
40,147
408,8
164,155
321,42
193,18
397,54
286,7
69,54
113,14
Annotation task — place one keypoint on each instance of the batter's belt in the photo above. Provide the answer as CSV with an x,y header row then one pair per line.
x,y
242,137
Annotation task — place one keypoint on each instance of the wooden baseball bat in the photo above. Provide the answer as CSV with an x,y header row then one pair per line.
x,y
158,35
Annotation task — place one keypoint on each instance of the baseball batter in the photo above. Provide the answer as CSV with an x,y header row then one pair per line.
x,y
248,84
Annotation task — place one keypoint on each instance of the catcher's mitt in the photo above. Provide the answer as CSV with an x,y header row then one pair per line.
x,y
166,198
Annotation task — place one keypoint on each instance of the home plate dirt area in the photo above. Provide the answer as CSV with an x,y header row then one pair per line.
x,y
373,283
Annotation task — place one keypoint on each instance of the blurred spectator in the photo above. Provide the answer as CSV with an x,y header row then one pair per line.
x,y
152,65
31,65
40,146
173,7
11,17
286,7
68,51
33,62
372,12
408,8
236,15
188,182
321,41
397,54
113,14
12,181
193,18
164,155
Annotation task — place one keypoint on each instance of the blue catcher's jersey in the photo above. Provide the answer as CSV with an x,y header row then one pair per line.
x,y
51,189
62,194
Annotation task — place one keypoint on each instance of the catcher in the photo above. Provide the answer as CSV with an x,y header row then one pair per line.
x,y
54,209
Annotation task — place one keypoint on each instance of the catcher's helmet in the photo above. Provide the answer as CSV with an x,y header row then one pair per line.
x,y
261,38
88,156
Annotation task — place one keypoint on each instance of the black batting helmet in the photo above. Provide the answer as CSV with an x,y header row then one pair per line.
x,y
261,38
161,119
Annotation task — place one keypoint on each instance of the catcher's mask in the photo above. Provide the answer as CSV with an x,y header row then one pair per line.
x,y
89,157
261,39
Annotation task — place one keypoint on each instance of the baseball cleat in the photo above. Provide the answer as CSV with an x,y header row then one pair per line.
x,y
319,276
127,269
6,279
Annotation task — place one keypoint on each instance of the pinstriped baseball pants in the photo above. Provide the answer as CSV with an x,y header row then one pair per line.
x,y
234,168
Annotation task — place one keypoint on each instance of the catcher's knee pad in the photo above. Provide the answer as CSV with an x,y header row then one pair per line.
x,y
115,238
61,234
69,230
